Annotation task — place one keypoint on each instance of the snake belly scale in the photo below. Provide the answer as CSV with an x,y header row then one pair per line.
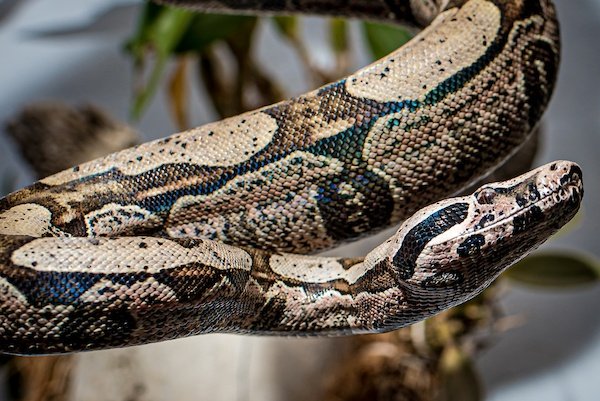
x,y
209,230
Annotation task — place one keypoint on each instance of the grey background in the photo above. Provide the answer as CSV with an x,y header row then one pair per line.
x,y
71,50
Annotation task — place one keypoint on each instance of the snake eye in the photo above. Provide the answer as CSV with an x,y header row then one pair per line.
x,y
486,196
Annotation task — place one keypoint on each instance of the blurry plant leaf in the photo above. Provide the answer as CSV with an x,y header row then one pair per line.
x,y
287,26
206,29
169,28
338,29
555,270
459,379
145,34
384,39
160,30
178,86
246,87
240,47
208,70
170,32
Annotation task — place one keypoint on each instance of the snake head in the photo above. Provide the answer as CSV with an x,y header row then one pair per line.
x,y
455,248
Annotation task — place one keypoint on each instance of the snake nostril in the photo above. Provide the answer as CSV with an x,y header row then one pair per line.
x,y
486,196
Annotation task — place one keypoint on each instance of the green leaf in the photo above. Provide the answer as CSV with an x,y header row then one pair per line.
x,y
384,39
170,32
459,379
287,26
206,29
161,31
136,45
169,29
338,29
554,269
159,28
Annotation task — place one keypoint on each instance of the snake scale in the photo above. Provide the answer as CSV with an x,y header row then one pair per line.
x,y
210,230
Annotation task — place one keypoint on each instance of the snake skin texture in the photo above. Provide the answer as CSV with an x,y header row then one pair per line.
x,y
193,233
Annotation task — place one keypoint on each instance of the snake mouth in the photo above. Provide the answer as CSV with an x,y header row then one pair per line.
x,y
562,198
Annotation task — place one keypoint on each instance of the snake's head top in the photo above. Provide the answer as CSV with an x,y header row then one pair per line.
x,y
456,247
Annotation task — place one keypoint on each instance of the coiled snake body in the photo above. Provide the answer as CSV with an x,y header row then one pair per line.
x,y
190,234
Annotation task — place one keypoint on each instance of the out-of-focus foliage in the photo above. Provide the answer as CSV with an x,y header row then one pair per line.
x,y
383,39
459,379
555,270
166,34
159,29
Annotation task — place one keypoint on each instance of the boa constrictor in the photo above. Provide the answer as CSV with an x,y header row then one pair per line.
x,y
202,231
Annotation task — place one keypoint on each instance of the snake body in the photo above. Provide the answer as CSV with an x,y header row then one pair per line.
x,y
193,233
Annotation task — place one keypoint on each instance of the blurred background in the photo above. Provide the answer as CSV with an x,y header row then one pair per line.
x,y
548,347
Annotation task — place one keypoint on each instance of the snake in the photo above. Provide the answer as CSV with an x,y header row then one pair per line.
x,y
216,229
